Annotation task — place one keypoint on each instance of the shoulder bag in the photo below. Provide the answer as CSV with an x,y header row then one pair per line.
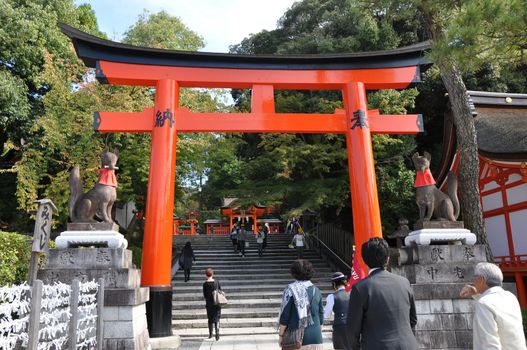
x,y
293,338
218,296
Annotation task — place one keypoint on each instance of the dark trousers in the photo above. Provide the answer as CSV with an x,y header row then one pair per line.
x,y
241,247
260,249
265,242
187,274
340,338
235,244
300,252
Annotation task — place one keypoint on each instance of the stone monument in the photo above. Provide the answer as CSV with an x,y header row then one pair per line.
x,y
437,274
438,211
90,250
438,260
84,230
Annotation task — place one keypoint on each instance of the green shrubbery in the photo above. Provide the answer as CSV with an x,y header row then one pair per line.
x,y
524,314
15,254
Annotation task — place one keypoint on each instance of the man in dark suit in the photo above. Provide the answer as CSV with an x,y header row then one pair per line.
x,y
381,310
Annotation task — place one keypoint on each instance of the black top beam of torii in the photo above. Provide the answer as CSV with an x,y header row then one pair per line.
x,y
92,49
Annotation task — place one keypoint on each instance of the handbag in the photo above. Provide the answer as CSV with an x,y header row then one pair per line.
x,y
293,338
218,296
181,260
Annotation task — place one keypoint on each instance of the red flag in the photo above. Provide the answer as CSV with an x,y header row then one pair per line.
x,y
356,273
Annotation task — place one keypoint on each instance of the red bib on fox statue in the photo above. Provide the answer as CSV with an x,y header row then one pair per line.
x,y
424,178
107,177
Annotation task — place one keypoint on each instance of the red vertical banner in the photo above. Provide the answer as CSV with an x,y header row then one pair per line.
x,y
157,246
356,273
363,185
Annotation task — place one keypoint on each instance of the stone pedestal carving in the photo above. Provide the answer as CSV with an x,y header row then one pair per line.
x,y
125,326
427,236
437,274
97,234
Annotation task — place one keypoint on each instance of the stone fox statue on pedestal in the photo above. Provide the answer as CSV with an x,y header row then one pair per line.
x,y
432,202
99,200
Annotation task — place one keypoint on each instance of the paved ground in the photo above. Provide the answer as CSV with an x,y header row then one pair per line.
x,y
245,342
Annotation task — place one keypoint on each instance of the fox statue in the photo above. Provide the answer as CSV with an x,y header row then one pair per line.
x,y
98,200
432,202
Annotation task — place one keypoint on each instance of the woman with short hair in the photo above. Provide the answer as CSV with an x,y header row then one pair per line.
x,y
302,307
213,311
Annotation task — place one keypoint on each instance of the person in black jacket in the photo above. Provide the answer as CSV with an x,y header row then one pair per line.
x,y
213,311
381,314
338,304
186,260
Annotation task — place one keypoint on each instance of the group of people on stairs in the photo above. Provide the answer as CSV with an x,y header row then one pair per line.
x,y
379,313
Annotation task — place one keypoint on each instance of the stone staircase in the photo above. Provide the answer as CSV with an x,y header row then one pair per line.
x,y
253,285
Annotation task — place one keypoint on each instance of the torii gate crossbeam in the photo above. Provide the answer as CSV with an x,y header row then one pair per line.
x,y
168,71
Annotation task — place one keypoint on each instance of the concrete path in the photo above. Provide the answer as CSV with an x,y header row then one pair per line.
x,y
245,342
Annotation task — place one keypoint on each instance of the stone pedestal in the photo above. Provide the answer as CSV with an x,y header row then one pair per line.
x,y
437,274
427,236
124,313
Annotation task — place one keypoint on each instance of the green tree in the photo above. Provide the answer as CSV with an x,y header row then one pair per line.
x,y
464,36
63,135
29,32
163,31
301,172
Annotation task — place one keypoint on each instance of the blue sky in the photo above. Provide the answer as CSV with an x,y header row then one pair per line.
x,y
220,22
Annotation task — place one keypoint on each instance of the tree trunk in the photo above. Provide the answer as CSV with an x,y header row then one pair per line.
x,y
468,171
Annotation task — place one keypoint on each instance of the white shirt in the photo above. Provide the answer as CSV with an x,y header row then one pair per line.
x,y
497,323
299,240
330,302
371,270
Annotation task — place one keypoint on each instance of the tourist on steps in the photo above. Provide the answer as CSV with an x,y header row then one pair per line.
x,y
186,260
234,238
266,232
299,241
260,241
302,307
242,238
213,311
338,303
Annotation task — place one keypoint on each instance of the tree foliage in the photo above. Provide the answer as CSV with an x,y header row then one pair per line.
x,y
298,172
163,31
62,135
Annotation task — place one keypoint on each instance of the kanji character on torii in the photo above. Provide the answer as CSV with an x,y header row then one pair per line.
x,y
168,71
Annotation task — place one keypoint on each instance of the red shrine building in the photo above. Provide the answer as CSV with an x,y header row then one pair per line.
x,y
501,126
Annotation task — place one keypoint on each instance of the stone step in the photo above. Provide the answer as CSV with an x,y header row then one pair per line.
x,y
258,268
242,276
255,259
230,252
201,313
283,281
254,265
233,304
228,322
200,333
271,294
236,288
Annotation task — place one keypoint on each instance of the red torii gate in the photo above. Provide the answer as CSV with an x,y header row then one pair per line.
x,y
169,70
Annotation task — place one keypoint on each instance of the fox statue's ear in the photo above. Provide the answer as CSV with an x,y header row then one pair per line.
x,y
116,152
428,156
